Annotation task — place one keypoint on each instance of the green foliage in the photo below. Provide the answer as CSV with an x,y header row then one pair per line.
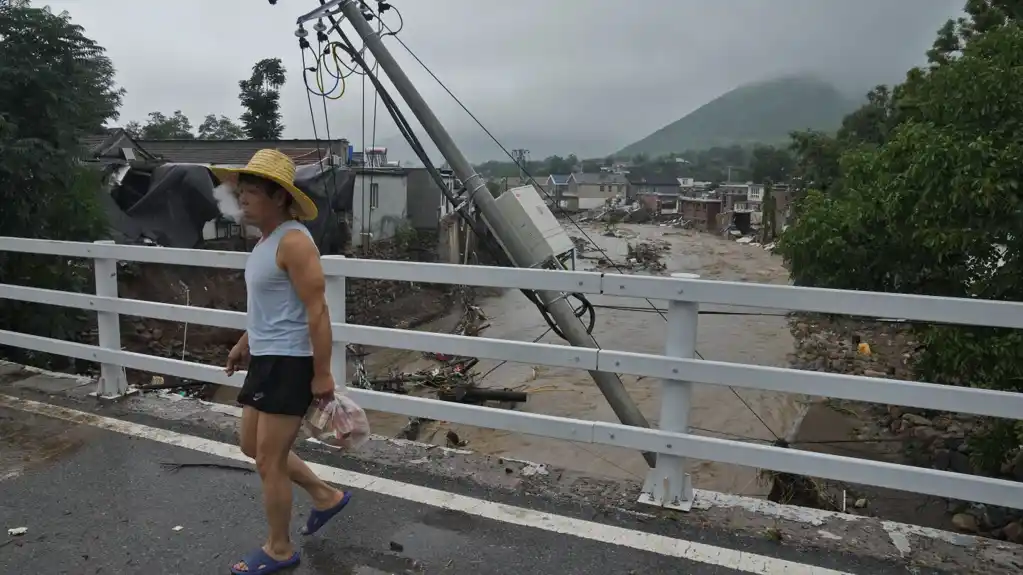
x,y
58,86
406,236
261,97
770,163
222,128
178,127
756,113
923,196
159,126
740,163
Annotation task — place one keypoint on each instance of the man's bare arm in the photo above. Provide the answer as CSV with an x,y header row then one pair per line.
x,y
243,341
298,257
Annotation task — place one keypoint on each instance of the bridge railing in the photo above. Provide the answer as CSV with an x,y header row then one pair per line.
x,y
667,484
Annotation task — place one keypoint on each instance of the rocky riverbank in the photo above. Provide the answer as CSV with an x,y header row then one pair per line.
x,y
890,433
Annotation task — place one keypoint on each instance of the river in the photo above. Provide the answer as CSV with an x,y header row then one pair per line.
x,y
717,411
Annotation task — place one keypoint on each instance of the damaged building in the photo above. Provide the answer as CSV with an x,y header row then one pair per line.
x,y
161,191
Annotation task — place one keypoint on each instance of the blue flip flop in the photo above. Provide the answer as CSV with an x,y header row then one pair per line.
x,y
258,562
317,518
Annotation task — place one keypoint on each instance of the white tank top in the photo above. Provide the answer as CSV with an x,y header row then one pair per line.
x,y
277,322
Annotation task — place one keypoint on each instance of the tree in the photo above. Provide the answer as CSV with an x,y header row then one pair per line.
x,y
260,96
817,158
222,128
161,127
58,87
770,163
936,209
871,123
559,165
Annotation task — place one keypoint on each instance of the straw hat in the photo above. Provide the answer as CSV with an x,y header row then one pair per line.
x,y
275,166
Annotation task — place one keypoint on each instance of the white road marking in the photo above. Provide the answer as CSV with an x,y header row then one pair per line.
x,y
639,540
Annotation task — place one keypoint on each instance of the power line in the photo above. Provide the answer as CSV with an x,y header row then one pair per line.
x,y
458,202
544,192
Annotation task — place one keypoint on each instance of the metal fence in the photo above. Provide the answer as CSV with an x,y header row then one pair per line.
x,y
667,484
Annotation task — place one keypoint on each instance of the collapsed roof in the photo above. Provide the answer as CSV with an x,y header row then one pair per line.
x,y
169,204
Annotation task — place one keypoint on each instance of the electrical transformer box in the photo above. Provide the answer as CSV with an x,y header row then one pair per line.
x,y
524,215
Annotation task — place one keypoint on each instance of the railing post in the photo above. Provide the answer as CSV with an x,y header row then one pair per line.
x,y
668,484
112,381
335,293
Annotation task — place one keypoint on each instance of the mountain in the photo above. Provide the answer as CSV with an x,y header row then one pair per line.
x,y
764,112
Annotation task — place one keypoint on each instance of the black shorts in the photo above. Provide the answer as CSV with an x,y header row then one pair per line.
x,y
278,384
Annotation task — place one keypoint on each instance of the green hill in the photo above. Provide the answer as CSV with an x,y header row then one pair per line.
x,y
764,112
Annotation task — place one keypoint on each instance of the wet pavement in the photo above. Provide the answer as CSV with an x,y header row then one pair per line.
x,y
156,484
761,338
96,501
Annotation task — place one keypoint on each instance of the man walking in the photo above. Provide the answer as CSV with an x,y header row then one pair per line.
x,y
288,343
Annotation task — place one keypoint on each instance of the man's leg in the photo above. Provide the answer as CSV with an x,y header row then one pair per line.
x,y
324,496
275,435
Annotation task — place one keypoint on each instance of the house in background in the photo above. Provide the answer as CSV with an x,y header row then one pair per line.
x,y
427,205
379,204
701,212
732,194
556,186
655,191
650,183
238,152
115,147
588,191
693,188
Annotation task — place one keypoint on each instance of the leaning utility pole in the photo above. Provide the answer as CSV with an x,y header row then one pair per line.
x,y
559,308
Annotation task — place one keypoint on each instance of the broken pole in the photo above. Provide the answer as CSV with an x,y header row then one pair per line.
x,y
559,308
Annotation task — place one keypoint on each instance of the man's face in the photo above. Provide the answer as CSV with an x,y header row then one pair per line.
x,y
257,205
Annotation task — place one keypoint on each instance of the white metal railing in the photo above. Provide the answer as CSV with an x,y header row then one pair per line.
x,y
667,484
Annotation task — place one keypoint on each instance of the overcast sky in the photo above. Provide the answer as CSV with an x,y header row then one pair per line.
x,y
553,76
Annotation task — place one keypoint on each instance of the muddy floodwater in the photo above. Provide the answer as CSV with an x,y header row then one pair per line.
x,y
717,411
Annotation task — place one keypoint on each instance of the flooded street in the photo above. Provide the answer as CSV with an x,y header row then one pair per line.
x,y
717,411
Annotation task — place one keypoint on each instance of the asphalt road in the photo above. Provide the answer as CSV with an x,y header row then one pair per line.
x,y
96,501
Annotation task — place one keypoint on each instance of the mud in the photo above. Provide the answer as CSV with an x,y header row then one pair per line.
x,y
31,442
631,325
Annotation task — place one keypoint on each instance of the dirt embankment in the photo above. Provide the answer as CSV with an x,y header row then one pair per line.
x,y
368,302
904,435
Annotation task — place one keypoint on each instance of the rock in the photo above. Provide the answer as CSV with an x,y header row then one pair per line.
x,y
960,462
942,460
860,503
1017,470
914,419
895,411
926,433
965,522
995,517
1013,532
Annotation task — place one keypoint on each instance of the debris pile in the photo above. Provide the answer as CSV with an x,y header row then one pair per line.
x,y
452,379
642,256
582,245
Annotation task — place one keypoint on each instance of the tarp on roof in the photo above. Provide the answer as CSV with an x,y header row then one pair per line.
x,y
171,203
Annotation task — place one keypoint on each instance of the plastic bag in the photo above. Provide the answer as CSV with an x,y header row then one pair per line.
x,y
339,422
